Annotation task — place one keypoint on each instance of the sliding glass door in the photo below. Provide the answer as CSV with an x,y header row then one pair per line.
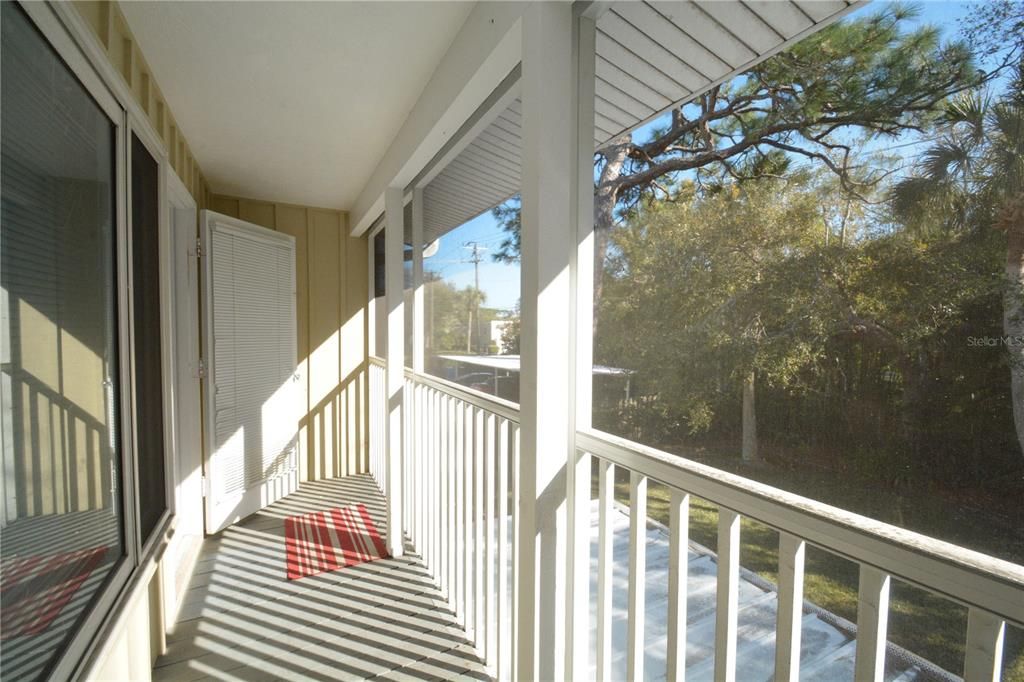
x,y
62,514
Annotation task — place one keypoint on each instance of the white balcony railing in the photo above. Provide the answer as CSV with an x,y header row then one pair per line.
x,y
458,499
460,493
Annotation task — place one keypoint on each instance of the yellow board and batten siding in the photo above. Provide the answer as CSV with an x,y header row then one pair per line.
x,y
331,284
111,28
331,281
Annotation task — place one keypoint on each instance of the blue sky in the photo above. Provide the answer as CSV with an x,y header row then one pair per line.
x,y
500,282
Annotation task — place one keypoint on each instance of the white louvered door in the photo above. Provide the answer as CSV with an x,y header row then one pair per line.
x,y
253,388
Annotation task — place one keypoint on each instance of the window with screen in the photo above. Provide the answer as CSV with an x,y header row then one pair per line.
x,y
149,404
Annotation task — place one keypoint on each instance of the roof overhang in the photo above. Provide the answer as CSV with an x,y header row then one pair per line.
x,y
650,56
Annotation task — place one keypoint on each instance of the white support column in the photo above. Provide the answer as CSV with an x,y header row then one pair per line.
x,y
393,255
548,239
417,280
580,393
373,343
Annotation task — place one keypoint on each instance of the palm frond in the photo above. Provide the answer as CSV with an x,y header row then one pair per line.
x,y
945,158
968,110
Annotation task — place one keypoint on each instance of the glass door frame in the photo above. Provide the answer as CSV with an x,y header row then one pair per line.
x,y
68,35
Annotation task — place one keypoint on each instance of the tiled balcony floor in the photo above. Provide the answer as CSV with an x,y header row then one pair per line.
x,y
242,619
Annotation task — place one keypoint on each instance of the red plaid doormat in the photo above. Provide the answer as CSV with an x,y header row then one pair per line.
x,y
329,540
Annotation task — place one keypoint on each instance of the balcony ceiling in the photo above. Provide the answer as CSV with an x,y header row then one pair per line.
x,y
651,56
292,101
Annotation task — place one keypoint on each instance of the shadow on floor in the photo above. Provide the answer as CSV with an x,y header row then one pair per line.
x,y
242,619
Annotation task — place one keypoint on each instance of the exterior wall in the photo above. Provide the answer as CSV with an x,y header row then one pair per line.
x,y
108,23
131,647
331,281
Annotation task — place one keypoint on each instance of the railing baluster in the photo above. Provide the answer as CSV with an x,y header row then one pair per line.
x,y
516,487
504,617
408,458
605,545
727,606
872,622
435,487
460,502
426,471
412,449
420,477
467,524
479,629
637,574
431,521
983,659
678,558
373,424
449,409
429,471
577,664
440,479
790,608
490,612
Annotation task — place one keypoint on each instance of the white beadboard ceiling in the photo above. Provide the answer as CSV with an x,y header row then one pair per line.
x,y
292,101
651,55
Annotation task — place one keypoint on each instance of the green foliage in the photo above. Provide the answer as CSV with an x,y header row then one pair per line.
x,y
701,287
508,217
974,167
859,347
447,312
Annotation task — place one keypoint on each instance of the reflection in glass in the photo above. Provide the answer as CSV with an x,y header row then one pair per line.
x,y
471,311
61,511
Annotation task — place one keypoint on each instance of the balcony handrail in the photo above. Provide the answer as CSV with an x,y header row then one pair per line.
x,y
960,574
499,406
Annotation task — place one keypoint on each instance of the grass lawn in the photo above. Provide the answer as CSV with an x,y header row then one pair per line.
x,y
927,625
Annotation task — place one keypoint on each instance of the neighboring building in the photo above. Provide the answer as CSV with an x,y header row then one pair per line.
x,y
498,328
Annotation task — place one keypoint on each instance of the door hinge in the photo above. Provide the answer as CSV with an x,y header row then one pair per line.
x,y
201,369
199,248
206,486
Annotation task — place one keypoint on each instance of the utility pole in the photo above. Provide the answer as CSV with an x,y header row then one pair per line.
x,y
476,256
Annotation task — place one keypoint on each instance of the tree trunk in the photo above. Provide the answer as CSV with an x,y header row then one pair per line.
x,y
606,195
749,450
1012,219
